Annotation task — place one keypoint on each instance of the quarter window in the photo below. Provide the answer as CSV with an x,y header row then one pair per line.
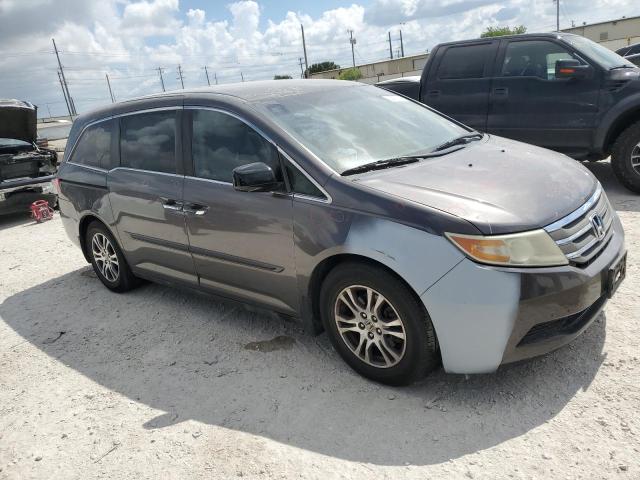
x,y
94,146
148,141
464,62
222,142
300,183
533,58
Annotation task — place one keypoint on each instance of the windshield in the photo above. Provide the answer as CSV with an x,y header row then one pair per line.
x,y
349,127
596,52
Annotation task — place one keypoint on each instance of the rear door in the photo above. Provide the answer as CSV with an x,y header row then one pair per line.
x,y
145,192
242,242
529,104
458,82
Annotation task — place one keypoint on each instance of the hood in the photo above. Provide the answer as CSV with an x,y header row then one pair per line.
x,y
18,120
499,185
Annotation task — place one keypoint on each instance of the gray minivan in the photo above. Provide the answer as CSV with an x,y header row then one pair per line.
x,y
410,238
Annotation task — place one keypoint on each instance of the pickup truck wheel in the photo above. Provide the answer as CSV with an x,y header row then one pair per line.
x,y
377,325
108,260
625,158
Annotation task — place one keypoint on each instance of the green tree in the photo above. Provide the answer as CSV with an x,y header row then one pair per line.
x,y
350,74
322,67
282,77
500,31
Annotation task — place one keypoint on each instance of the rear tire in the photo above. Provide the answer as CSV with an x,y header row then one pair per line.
x,y
108,260
377,324
625,158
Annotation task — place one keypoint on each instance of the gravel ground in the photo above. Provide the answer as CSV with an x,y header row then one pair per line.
x,y
166,383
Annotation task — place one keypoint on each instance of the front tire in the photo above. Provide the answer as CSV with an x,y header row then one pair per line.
x,y
108,260
625,158
377,325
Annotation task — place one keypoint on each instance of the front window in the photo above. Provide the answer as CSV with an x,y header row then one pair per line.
x,y
349,127
602,55
533,58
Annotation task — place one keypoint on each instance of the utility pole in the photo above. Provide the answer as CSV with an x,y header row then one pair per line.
x,y
301,70
206,72
304,48
401,45
64,80
159,69
180,76
215,76
64,94
242,76
113,100
557,15
352,41
390,47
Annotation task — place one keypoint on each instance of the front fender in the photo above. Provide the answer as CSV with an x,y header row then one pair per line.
x,y
623,109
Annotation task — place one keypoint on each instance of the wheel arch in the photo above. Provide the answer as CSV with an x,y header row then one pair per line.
x,y
83,226
619,124
323,268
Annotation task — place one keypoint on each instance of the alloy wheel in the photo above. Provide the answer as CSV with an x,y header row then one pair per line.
x,y
105,257
635,158
370,326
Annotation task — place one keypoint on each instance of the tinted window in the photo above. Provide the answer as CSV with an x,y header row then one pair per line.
x,y
94,147
535,58
633,50
222,142
301,184
148,141
464,62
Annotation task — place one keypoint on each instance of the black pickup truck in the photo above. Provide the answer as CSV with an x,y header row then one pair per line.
x,y
558,91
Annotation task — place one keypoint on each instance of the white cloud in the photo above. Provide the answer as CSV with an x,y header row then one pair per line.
x,y
129,39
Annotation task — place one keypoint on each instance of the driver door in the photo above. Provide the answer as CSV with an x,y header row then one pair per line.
x,y
241,242
529,104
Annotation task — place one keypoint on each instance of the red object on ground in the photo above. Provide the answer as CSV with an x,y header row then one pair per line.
x,y
41,211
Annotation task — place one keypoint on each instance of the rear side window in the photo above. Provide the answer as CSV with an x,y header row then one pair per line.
x,y
222,142
301,184
94,146
533,58
464,62
148,141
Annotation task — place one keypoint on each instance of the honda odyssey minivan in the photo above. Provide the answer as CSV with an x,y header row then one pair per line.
x,y
409,238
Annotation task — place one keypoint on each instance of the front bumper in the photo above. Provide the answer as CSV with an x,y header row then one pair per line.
x,y
487,316
17,196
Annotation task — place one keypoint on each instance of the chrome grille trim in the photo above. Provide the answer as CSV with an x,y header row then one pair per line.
x,y
575,234
576,213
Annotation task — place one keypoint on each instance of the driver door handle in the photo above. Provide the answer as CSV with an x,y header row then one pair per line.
x,y
171,204
501,91
195,209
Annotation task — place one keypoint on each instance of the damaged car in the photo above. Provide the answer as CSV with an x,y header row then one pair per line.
x,y
26,169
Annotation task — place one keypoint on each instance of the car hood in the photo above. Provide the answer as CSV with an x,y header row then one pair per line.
x,y
18,120
499,185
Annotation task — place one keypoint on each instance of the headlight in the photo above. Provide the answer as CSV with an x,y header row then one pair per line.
x,y
528,249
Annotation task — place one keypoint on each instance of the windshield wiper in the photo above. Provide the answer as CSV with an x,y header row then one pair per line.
x,y
461,140
381,164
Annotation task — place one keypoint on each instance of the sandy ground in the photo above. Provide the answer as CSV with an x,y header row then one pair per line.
x,y
164,383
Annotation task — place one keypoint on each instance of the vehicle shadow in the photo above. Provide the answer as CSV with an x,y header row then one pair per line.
x,y
621,198
15,219
194,357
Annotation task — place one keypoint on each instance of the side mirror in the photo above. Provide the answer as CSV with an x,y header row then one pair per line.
x,y
572,68
255,177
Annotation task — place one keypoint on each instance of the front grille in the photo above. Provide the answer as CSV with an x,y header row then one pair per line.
x,y
563,326
576,234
